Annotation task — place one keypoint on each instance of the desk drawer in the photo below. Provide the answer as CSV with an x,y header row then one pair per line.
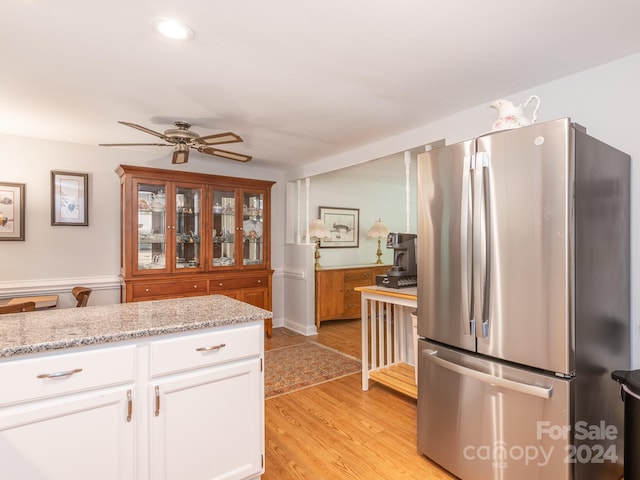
x,y
67,373
358,278
203,349
184,287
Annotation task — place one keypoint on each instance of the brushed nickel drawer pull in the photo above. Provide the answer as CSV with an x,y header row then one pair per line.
x,y
64,374
157,390
129,405
211,348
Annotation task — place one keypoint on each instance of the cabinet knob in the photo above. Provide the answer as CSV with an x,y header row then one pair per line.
x,y
146,289
220,284
195,286
259,281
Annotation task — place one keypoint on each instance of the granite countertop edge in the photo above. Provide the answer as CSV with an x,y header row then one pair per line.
x,y
13,344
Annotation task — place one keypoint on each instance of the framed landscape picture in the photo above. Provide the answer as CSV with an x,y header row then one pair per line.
x,y
343,223
12,211
69,198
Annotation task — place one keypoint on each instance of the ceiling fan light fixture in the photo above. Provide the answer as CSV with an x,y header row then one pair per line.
x,y
180,154
182,139
173,29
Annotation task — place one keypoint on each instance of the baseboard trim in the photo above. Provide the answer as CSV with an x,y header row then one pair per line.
x,y
300,328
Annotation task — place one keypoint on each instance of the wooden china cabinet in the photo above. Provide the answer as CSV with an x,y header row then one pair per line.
x,y
186,234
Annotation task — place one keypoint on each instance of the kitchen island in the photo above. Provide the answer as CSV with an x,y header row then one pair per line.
x,y
163,389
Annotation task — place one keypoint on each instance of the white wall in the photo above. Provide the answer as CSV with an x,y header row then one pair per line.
x,y
604,99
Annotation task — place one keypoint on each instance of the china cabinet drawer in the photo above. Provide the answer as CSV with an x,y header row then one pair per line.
x,y
185,287
239,282
52,375
199,350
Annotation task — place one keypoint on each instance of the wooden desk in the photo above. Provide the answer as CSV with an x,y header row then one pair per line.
x,y
386,331
337,297
42,301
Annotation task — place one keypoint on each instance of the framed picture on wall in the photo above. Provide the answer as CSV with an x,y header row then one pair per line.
x,y
69,198
344,226
12,211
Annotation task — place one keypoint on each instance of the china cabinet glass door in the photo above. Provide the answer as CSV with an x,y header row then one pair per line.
x,y
252,228
188,227
224,228
152,224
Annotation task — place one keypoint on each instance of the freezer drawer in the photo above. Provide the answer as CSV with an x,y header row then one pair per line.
x,y
485,420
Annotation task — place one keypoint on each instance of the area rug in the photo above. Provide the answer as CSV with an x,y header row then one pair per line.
x,y
303,365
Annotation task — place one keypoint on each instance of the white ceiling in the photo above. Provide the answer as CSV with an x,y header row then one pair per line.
x,y
299,80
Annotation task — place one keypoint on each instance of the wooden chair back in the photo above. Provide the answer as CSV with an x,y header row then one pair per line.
x,y
82,295
18,307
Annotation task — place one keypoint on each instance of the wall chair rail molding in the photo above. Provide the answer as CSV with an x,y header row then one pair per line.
x,y
53,286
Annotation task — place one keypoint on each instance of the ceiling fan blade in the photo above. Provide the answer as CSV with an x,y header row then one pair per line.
x,y
224,154
219,138
134,144
180,156
144,129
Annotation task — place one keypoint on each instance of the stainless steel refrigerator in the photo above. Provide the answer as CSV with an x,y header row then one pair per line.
x,y
523,304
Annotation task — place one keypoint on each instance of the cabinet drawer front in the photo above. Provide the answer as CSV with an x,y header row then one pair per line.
x,y
352,310
65,373
183,287
356,279
242,282
351,295
198,350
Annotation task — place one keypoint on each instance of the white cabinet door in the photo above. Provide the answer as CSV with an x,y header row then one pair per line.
x,y
74,437
208,424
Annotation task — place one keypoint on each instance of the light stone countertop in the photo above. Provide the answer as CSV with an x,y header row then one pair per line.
x,y
54,329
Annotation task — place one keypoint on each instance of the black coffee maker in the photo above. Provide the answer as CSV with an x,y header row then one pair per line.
x,y
404,272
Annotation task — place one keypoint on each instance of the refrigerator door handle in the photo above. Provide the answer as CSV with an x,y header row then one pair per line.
x,y
481,243
465,257
537,391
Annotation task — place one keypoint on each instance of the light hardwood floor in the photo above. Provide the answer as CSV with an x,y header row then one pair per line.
x,y
337,431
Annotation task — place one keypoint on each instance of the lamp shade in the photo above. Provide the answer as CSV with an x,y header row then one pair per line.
x,y
378,230
317,229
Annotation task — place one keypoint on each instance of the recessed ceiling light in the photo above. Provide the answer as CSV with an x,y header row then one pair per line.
x,y
173,29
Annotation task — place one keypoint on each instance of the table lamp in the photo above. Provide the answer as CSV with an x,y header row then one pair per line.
x,y
379,230
318,230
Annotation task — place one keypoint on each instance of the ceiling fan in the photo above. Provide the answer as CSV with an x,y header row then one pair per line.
x,y
182,139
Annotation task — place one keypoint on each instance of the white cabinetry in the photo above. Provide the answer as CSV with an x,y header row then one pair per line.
x,y
221,440
65,417
208,406
175,407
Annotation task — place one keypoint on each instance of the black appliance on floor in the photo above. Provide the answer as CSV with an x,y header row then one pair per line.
x,y
630,381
